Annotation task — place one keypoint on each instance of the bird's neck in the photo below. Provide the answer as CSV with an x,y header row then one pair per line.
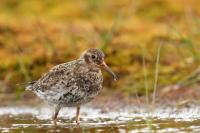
x,y
88,66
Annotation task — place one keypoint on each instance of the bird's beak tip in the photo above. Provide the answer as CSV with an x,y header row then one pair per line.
x,y
115,77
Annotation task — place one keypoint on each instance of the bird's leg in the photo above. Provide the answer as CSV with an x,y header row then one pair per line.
x,y
77,114
54,117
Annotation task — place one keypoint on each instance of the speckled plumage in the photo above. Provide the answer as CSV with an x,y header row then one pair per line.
x,y
73,83
69,84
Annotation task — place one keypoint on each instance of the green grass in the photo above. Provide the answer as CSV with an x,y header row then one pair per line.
x,y
151,105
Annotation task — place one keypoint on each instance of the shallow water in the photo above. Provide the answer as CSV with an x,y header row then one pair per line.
x,y
27,119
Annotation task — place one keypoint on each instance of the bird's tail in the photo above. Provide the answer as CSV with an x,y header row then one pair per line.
x,y
29,85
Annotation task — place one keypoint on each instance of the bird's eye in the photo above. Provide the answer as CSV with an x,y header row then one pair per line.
x,y
93,56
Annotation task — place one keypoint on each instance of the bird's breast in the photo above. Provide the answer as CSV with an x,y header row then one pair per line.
x,y
96,76
90,81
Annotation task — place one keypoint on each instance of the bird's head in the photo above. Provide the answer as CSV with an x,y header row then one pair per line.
x,y
95,57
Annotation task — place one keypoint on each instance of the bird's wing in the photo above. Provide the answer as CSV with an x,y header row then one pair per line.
x,y
54,79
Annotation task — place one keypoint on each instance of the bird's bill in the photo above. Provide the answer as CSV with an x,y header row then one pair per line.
x,y
104,66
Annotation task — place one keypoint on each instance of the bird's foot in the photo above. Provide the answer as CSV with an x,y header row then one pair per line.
x,y
55,122
75,119
78,122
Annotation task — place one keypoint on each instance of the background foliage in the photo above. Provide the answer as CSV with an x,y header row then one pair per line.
x,y
38,34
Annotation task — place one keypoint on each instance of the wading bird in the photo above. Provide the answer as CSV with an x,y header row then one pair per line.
x,y
73,83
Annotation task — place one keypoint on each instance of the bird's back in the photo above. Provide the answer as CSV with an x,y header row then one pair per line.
x,y
51,78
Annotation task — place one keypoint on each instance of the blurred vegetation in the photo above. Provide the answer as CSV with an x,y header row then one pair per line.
x,y
38,34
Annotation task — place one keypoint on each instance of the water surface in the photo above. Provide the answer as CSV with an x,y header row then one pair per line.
x,y
28,119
